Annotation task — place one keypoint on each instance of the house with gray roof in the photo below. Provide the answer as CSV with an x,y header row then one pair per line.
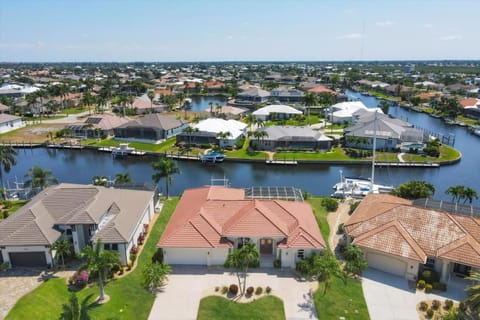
x,y
287,95
82,214
292,137
390,132
151,128
9,122
255,95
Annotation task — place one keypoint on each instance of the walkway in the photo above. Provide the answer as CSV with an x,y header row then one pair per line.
x,y
180,298
334,220
400,157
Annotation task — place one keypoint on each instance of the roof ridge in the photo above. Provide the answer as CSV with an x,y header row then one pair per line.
x,y
467,239
304,233
270,216
201,234
279,203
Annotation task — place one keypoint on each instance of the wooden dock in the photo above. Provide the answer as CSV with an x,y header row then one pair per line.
x,y
408,164
282,162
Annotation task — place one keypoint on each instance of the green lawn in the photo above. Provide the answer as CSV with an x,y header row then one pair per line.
x,y
335,154
161,147
340,299
128,298
244,154
11,206
321,216
446,154
68,111
215,307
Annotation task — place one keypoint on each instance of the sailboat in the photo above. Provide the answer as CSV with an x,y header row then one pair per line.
x,y
357,187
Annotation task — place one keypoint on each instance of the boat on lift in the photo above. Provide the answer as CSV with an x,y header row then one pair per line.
x,y
212,157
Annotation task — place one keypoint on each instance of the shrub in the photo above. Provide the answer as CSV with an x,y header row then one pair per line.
x,y
133,257
423,306
277,263
79,279
439,286
448,304
353,206
259,291
224,290
239,144
430,276
158,256
421,284
462,306
430,313
129,266
4,266
217,288
436,304
330,204
120,272
268,289
233,289
250,290
145,228
428,288
340,228
141,238
134,249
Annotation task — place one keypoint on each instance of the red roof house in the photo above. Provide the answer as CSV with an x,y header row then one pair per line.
x,y
211,221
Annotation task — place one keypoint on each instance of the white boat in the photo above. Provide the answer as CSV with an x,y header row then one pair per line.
x,y
124,150
212,157
357,187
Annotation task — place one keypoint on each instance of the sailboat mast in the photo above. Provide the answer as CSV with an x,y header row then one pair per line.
x,y
374,148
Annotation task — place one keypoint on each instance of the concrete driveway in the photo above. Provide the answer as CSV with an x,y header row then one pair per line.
x,y
187,285
389,297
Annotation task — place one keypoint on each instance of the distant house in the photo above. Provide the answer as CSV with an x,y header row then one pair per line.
x,y
319,89
208,131
287,95
151,127
292,137
4,108
251,96
345,112
214,86
97,125
9,122
230,112
143,105
471,107
403,237
210,222
390,133
79,214
276,111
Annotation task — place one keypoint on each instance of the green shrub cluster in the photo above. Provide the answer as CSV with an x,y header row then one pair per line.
x,y
330,204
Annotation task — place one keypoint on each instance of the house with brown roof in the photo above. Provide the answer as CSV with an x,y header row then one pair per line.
x,y
403,237
81,214
97,125
209,222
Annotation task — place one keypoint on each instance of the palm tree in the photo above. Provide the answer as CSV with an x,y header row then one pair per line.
x,y
323,266
155,274
73,310
260,135
223,135
164,168
414,189
249,120
241,259
469,194
7,160
39,178
473,291
123,178
456,192
310,99
100,181
100,262
62,248
151,95
189,131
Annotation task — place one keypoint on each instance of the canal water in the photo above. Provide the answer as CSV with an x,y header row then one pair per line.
x,y
202,103
80,166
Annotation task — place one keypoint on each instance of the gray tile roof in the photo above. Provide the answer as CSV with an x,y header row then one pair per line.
x,y
155,120
34,223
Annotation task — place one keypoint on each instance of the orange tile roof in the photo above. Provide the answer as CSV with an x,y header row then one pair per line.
x,y
321,89
470,102
206,216
393,225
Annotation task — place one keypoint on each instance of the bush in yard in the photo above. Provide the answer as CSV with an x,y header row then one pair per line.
x,y
79,279
436,304
158,256
250,291
259,291
448,304
430,313
340,229
353,206
268,289
233,289
134,249
4,266
330,204
430,276
423,306
133,257
224,290
421,284
439,286
277,263
428,288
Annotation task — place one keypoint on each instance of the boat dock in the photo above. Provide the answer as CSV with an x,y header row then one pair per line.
x,y
283,162
408,164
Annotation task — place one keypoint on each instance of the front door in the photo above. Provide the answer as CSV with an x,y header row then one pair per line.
x,y
266,246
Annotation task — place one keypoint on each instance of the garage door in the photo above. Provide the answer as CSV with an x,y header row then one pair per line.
x,y
28,259
387,264
186,256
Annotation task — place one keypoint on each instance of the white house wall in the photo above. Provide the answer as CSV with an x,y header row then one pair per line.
x,y
146,218
11,125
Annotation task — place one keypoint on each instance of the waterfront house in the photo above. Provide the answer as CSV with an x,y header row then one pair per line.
x,y
79,213
390,133
276,112
403,237
292,137
9,122
471,107
209,222
255,95
208,131
320,89
344,112
150,128
143,105
287,95
96,126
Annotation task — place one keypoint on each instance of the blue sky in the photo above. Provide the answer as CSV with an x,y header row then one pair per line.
x,y
231,30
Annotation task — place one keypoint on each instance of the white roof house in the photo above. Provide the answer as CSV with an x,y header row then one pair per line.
x,y
344,111
282,110
216,125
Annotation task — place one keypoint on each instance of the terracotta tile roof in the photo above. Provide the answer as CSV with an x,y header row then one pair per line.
x,y
470,102
321,89
205,216
392,225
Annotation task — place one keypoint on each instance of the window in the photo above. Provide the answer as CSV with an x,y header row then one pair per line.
x,y
106,246
301,254
430,263
115,247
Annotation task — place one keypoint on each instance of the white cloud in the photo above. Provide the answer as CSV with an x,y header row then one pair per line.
x,y
387,23
350,36
453,37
